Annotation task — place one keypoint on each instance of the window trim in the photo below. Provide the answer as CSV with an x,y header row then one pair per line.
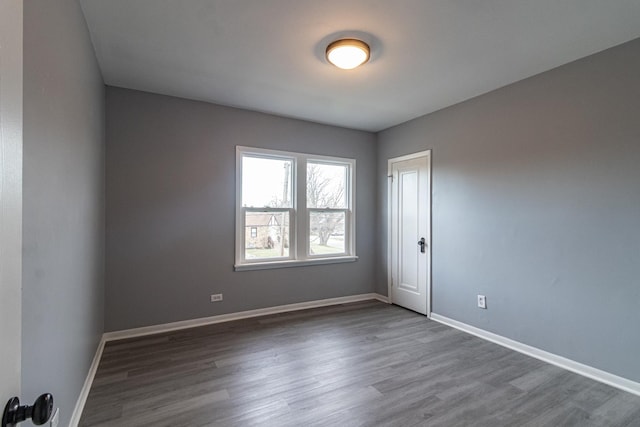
x,y
299,242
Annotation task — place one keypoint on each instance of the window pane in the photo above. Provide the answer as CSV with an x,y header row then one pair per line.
x,y
266,235
266,182
326,233
326,184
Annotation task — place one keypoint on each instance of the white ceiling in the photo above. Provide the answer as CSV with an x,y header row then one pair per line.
x,y
268,55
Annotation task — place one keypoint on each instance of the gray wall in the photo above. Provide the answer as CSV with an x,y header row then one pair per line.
x,y
63,252
171,210
536,203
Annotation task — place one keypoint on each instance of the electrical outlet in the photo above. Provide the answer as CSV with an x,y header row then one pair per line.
x,y
482,301
216,297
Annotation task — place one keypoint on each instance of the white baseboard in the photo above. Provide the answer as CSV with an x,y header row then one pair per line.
x,y
86,387
545,356
185,324
381,298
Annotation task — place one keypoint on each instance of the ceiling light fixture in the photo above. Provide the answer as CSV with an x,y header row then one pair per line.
x,y
348,53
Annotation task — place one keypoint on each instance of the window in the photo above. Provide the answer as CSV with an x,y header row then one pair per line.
x,y
293,209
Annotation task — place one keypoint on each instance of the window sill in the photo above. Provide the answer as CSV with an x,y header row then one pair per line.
x,y
293,263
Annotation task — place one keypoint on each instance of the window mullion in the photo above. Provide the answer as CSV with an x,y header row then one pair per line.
x,y
302,238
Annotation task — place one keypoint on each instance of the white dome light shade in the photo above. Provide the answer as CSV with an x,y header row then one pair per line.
x,y
348,53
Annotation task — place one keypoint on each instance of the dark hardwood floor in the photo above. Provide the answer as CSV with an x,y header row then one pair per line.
x,y
364,364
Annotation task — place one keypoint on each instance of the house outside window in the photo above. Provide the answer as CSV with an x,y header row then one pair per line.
x,y
293,209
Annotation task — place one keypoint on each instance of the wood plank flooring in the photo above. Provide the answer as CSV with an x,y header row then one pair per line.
x,y
363,364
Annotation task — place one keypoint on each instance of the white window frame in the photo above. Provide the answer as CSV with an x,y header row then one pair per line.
x,y
299,242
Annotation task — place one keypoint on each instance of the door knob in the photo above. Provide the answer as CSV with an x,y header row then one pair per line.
x,y
39,413
422,244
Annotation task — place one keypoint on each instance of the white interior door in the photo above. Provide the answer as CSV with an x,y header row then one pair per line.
x,y
10,198
410,231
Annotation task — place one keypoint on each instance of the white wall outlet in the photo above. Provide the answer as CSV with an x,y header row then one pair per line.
x,y
216,297
482,301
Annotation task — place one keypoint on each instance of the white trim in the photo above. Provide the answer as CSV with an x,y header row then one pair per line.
x,y
293,263
382,298
411,156
88,382
389,229
390,162
185,324
568,364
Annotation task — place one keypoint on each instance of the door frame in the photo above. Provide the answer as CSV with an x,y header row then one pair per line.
x,y
390,162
